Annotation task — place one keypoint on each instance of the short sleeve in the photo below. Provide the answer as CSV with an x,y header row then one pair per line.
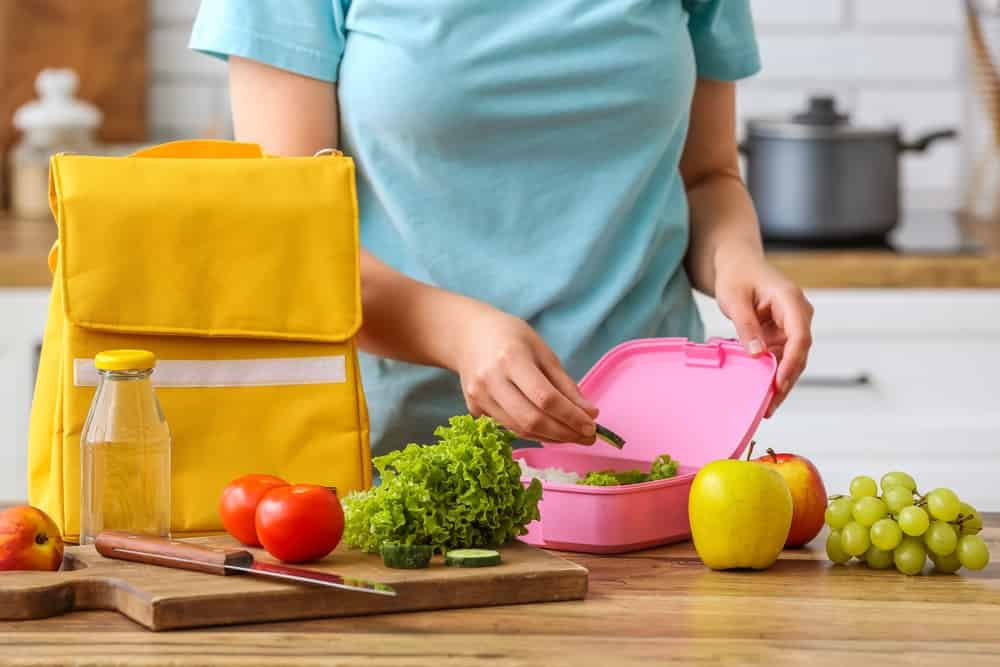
x,y
302,36
722,34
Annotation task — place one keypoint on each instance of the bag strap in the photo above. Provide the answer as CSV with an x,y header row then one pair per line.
x,y
202,148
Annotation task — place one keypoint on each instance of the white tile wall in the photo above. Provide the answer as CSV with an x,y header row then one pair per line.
x,y
861,57
187,90
799,12
174,10
170,56
894,13
896,60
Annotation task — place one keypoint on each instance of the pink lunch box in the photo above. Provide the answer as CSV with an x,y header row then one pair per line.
x,y
698,402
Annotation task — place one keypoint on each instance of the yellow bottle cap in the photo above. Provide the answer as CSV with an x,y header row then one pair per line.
x,y
124,360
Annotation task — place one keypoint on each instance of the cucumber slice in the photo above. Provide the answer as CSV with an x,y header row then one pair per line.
x,y
610,437
472,558
407,556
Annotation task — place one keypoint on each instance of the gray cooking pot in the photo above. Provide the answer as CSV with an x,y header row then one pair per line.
x,y
817,178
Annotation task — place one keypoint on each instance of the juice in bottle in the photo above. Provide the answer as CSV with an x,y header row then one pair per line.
x,y
125,451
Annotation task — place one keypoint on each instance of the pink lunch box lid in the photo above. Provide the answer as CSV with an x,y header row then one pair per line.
x,y
698,402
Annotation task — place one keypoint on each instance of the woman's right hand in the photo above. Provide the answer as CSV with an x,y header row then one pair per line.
x,y
509,373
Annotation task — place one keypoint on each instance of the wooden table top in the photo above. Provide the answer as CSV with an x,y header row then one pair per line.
x,y
24,251
24,247
648,607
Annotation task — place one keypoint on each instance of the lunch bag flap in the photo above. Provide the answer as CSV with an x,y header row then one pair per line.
x,y
212,247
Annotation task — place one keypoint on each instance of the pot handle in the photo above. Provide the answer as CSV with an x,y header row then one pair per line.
x,y
920,144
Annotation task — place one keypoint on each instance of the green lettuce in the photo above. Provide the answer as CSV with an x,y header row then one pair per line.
x,y
663,467
463,491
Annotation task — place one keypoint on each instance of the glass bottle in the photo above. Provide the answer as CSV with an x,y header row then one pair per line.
x,y
56,121
125,451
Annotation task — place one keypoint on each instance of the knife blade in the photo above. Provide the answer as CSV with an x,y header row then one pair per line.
x,y
216,560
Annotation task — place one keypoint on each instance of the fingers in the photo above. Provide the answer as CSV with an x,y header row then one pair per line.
x,y
558,410
796,351
487,406
739,307
496,395
774,340
553,370
533,419
794,315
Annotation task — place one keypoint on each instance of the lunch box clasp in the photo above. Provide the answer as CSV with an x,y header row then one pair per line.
x,y
708,354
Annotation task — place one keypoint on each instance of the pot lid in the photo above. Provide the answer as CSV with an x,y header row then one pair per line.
x,y
821,119
698,402
56,106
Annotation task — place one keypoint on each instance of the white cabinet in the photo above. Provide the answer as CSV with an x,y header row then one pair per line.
x,y
897,379
22,323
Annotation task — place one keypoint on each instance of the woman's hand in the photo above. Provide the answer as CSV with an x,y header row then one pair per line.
x,y
509,373
725,256
771,313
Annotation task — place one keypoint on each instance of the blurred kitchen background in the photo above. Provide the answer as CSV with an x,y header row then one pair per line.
x,y
905,372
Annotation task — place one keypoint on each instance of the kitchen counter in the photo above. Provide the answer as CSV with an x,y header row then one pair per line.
x,y
24,247
24,251
977,265
858,269
930,249
648,607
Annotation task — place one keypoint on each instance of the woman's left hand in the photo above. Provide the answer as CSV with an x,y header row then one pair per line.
x,y
770,312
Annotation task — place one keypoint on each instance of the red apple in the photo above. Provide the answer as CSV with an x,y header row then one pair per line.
x,y
29,540
808,494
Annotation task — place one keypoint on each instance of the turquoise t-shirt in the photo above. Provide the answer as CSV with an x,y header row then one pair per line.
x,y
524,154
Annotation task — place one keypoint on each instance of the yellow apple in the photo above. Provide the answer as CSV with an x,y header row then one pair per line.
x,y
740,514
29,540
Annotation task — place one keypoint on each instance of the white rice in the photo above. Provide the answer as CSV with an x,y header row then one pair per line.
x,y
549,474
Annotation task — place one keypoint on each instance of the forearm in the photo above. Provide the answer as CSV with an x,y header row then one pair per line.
x,y
409,320
724,232
724,229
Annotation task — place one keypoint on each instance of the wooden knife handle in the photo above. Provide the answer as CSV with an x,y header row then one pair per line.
x,y
170,553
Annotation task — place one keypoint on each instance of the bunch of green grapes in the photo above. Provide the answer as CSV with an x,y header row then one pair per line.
x,y
903,528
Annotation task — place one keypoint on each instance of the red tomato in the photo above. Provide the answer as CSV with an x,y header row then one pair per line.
x,y
239,504
300,523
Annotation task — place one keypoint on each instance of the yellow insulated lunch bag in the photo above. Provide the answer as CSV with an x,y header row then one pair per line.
x,y
240,271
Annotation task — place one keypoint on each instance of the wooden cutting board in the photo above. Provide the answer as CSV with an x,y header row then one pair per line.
x,y
166,599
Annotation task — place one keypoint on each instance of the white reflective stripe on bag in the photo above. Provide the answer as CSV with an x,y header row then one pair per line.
x,y
232,372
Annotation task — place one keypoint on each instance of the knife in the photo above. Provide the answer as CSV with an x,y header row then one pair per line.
x,y
216,560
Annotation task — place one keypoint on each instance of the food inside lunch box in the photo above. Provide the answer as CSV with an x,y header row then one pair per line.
x,y
663,467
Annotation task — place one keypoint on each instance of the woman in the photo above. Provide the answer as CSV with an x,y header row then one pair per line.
x,y
537,183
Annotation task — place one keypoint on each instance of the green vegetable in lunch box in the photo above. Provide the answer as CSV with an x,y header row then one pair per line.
x,y
406,556
463,491
662,468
